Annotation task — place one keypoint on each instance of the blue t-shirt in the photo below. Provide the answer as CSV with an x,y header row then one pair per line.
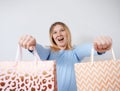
x,y
65,60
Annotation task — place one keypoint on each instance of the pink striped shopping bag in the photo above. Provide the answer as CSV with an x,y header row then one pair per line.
x,y
98,76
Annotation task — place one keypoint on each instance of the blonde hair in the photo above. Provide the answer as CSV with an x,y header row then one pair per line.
x,y
54,45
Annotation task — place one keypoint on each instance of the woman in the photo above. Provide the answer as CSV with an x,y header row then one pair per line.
x,y
64,53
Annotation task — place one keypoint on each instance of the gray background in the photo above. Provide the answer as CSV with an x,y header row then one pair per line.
x,y
85,18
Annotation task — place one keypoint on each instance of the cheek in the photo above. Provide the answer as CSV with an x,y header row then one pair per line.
x,y
53,37
54,41
65,36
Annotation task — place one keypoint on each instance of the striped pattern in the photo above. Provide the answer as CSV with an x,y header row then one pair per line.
x,y
98,76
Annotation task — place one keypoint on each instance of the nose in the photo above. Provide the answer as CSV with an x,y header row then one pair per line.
x,y
59,33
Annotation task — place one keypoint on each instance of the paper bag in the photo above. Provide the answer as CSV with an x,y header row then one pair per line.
x,y
28,76
98,76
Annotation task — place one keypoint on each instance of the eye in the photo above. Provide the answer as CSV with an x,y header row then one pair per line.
x,y
54,32
62,30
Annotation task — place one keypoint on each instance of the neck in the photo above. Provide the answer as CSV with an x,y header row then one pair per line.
x,y
62,47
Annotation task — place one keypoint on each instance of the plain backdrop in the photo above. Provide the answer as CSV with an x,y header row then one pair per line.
x,y
86,19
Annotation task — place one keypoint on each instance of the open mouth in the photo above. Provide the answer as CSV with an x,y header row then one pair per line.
x,y
61,39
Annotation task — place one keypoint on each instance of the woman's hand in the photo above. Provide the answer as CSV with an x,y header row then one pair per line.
x,y
27,42
102,44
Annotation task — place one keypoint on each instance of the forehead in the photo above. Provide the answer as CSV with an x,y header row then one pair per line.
x,y
58,27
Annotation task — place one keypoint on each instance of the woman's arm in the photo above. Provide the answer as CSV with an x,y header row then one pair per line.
x,y
84,50
43,52
29,42
101,45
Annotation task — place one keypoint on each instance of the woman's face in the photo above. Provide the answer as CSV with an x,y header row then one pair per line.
x,y
60,36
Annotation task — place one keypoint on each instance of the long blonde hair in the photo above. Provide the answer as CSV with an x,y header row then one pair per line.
x,y
54,45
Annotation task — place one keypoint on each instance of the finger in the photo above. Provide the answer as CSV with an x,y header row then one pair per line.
x,y
21,41
31,43
105,42
24,40
99,43
108,43
31,48
102,43
28,41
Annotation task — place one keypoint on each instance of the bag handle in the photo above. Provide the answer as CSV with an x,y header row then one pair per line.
x,y
92,54
19,54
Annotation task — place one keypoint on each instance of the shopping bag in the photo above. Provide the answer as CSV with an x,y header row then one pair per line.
x,y
33,75
98,76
